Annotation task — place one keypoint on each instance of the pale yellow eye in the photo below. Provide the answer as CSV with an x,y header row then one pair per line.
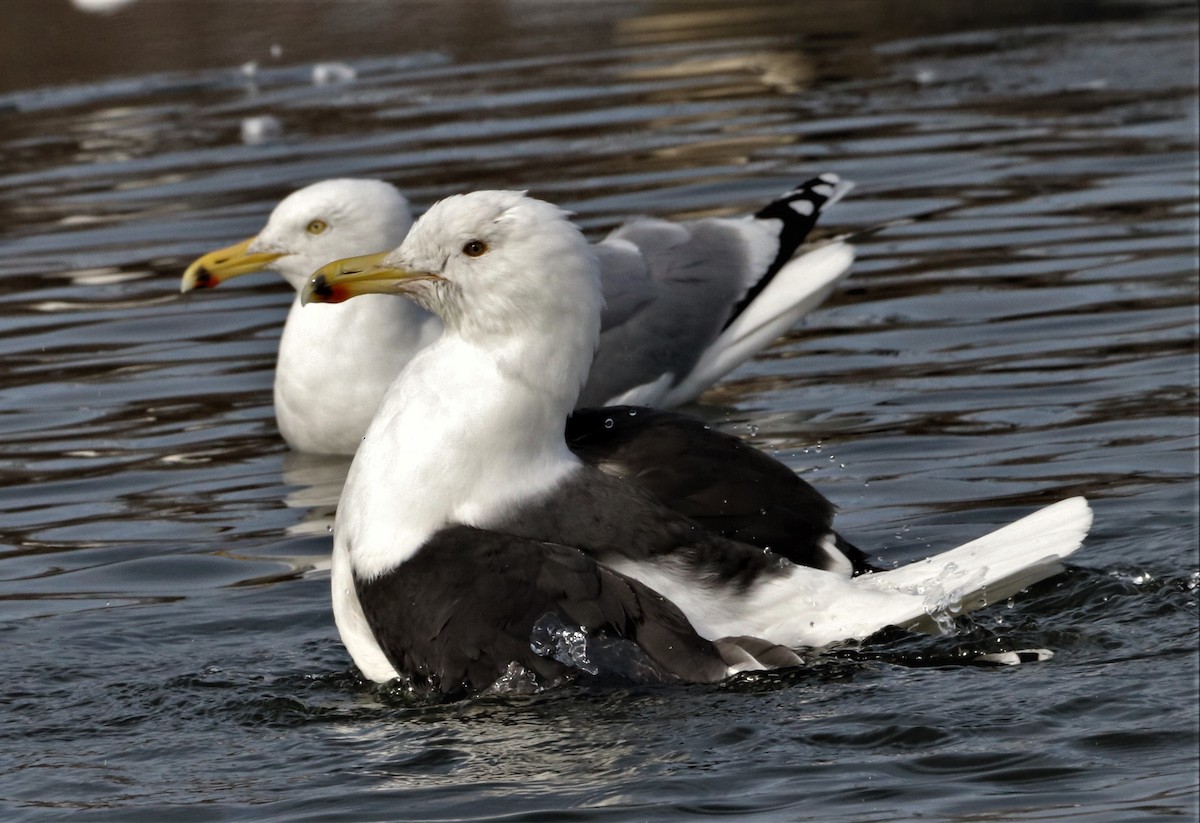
x,y
475,248
317,227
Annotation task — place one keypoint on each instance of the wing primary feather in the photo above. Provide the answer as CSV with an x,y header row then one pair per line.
x,y
798,211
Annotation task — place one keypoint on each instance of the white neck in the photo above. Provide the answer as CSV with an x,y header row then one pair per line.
x,y
463,435
336,362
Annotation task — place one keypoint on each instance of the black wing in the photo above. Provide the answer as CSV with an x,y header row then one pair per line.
x,y
712,478
471,605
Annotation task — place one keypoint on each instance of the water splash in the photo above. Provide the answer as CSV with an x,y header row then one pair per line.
x,y
944,597
516,680
555,639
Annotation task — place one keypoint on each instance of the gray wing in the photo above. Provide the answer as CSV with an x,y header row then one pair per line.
x,y
670,288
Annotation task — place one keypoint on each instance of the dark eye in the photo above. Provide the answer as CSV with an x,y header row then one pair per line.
x,y
474,248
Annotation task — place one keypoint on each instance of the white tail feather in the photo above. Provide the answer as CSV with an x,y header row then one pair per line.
x,y
991,568
814,608
799,287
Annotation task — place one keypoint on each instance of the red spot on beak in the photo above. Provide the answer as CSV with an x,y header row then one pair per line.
x,y
329,292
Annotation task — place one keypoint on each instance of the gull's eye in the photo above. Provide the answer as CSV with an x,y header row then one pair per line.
x,y
316,227
474,248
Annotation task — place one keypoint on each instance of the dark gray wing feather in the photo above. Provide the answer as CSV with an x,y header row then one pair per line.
x,y
712,478
455,617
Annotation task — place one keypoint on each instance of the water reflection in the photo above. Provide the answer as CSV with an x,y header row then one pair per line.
x,y
316,482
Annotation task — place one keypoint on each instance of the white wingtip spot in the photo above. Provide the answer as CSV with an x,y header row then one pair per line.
x,y
823,190
1016,658
802,207
835,561
830,178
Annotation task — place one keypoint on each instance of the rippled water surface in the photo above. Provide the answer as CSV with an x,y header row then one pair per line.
x,y
1021,326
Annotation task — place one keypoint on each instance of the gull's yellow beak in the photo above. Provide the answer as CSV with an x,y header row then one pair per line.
x,y
343,279
209,271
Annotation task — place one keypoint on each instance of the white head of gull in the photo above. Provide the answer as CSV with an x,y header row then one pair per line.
x,y
326,391
685,302
472,547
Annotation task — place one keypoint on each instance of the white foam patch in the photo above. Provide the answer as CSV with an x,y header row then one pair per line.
x,y
325,74
101,6
261,129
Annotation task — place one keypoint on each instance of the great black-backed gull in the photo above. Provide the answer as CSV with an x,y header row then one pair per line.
x,y
685,303
474,550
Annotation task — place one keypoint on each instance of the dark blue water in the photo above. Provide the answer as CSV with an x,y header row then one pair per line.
x,y
1021,326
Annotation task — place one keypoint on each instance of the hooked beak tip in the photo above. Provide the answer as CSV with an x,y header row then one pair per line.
x,y
320,291
200,278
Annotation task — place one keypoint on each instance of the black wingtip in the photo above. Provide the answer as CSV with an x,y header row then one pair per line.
x,y
798,212
799,209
